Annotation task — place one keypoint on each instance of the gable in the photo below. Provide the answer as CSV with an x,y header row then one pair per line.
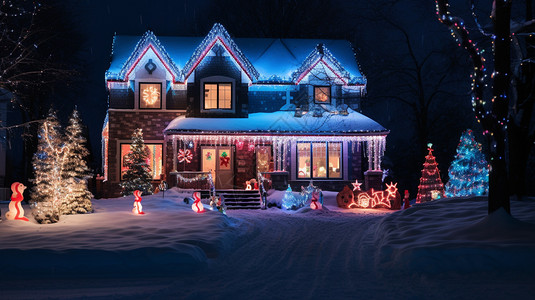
x,y
219,36
147,45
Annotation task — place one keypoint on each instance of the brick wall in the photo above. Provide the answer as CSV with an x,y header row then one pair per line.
x,y
122,125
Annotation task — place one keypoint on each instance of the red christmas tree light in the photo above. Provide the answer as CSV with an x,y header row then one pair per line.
x,y
431,186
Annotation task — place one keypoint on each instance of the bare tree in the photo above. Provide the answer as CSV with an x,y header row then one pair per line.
x,y
503,123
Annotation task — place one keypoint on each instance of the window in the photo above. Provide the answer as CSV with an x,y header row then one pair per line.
x,y
321,159
322,94
154,160
218,95
150,95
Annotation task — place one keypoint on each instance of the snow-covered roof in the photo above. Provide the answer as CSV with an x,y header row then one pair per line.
x,y
283,122
271,58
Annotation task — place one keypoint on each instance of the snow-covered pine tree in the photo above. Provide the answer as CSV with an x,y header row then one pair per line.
x,y
469,171
75,170
430,181
138,176
49,188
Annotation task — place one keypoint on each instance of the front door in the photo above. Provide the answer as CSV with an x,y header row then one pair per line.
x,y
219,160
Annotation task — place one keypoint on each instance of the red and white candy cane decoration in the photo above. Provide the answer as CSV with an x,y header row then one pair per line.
x,y
315,204
197,204
138,208
15,208
184,156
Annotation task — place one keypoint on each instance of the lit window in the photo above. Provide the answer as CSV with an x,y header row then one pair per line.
x,y
322,94
154,159
150,95
218,96
323,159
303,160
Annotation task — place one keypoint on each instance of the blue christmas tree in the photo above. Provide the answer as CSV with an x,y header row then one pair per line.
x,y
469,171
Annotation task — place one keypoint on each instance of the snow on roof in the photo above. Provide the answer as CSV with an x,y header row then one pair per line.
x,y
280,122
270,57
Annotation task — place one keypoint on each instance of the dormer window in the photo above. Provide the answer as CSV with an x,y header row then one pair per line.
x,y
217,95
322,94
150,95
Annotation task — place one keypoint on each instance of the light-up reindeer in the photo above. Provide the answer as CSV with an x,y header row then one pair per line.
x,y
138,208
15,208
197,204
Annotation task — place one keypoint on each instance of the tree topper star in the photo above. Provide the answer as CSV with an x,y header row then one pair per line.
x,y
356,185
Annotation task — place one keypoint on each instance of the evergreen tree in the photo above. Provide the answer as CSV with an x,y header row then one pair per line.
x,y
49,189
469,172
75,170
430,181
138,176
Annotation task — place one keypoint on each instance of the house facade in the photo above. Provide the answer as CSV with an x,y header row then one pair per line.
x,y
237,107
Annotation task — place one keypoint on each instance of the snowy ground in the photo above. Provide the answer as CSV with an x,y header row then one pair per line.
x,y
445,249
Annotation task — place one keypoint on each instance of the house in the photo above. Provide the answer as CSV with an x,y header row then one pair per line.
x,y
239,106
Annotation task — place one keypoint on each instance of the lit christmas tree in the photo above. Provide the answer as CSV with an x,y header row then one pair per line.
x,y
49,188
469,172
138,176
75,170
431,186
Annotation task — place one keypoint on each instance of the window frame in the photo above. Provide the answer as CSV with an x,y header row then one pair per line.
x,y
146,144
330,94
327,177
140,96
217,83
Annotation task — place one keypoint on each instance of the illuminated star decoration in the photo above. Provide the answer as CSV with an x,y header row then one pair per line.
x,y
184,156
356,185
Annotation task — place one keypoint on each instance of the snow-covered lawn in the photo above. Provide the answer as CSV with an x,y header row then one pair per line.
x,y
445,249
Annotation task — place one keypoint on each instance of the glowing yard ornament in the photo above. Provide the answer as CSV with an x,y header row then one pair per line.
x,y
197,204
185,156
356,185
248,186
289,201
15,208
138,208
406,201
372,199
315,204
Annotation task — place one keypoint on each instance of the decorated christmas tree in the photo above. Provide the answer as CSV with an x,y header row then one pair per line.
x,y
469,171
138,174
431,186
76,172
49,188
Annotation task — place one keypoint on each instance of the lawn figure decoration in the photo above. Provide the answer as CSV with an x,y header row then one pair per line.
x,y
315,204
138,208
345,198
197,204
407,203
15,208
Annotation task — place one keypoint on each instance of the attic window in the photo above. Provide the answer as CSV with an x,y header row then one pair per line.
x,y
218,95
322,94
150,95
